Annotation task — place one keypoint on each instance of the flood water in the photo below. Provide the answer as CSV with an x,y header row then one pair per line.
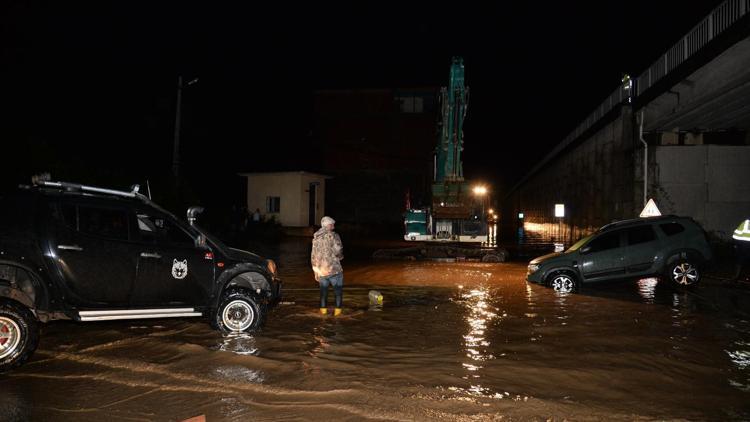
x,y
453,341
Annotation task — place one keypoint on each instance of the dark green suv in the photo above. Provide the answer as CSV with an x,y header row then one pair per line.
x,y
671,247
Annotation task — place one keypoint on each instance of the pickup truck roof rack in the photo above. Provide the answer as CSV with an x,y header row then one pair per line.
x,y
75,187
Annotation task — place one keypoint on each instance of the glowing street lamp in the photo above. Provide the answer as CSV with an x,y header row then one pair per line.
x,y
480,190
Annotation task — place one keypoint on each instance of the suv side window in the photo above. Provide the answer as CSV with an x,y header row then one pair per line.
x,y
605,242
158,229
640,234
671,229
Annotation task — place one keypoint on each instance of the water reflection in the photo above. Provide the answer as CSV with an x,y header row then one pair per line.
x,y
238,343
531,301
492,235
647,288
476,342
320,342
239,374
740,357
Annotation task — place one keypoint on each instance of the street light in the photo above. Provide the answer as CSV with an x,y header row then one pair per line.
x,y
177,120
480,191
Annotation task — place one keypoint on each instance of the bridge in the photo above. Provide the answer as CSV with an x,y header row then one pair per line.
x,y
677,133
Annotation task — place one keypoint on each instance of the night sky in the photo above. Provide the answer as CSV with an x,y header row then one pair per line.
x,y
88,92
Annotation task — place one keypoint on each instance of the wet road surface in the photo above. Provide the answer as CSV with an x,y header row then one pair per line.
x,y
453,341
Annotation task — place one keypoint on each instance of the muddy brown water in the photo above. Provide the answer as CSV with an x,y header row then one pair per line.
x,y
453,341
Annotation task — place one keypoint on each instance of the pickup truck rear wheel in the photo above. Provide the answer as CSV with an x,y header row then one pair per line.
x,y
238,312
19,334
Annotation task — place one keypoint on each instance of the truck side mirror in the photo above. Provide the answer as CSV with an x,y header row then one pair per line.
x,y
192,214
201,242
585,249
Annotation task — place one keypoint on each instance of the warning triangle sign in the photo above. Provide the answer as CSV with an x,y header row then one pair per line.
x,y
650,210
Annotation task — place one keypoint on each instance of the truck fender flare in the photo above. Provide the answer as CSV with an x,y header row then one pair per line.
x,y
249,280
9,292
246,276
40,295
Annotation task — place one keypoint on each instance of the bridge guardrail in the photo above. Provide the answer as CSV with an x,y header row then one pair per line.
x,y
719,20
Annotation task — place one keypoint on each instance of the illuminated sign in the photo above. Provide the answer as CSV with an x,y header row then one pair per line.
x,y
650,210
559,210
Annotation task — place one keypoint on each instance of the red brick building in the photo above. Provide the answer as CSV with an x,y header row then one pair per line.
x,y
378,144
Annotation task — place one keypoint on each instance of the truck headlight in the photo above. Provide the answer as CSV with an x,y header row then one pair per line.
x,y
271,266
533,268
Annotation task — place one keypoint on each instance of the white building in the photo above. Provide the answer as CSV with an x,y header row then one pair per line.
x,y
294,198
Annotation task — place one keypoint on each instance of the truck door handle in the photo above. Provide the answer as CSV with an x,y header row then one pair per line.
x,y
150,255
69,248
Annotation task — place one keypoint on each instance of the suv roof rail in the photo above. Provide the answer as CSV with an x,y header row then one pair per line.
x,y
635,221
83,188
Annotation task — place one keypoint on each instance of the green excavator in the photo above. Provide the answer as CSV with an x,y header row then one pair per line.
x,y
457,211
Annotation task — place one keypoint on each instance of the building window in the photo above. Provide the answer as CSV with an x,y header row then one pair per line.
x,y
273,204
411,104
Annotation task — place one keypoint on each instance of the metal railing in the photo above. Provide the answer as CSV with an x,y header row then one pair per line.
x,y
719,20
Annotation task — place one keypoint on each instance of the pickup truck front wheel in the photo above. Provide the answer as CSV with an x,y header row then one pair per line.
x,y
19,334
238,312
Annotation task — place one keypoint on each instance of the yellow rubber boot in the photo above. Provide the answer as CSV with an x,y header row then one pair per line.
x,y
337,312
323,311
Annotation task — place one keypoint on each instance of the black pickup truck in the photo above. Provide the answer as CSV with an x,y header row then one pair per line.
x,y
82,253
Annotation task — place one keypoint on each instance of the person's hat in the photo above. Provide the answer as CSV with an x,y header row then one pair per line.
x,y
327,221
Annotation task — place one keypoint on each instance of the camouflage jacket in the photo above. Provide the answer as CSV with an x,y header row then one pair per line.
x,y
327,252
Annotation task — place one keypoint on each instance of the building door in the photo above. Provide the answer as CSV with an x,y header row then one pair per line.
x,y
312,203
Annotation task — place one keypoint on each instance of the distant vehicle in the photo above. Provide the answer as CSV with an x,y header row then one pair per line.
x,y
84,253
675,248
457,213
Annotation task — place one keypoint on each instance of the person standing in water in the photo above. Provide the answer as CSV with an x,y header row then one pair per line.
x,y
326,256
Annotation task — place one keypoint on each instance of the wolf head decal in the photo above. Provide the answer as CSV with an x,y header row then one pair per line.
x,y
179,269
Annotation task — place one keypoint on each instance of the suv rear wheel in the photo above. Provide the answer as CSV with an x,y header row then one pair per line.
x,y
238,312
19,334
562,282
683,272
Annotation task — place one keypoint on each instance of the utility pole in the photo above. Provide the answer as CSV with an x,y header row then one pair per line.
x,y
177,124
176,145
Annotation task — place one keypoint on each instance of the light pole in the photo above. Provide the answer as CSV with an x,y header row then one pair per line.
x,y
177,120
480,192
